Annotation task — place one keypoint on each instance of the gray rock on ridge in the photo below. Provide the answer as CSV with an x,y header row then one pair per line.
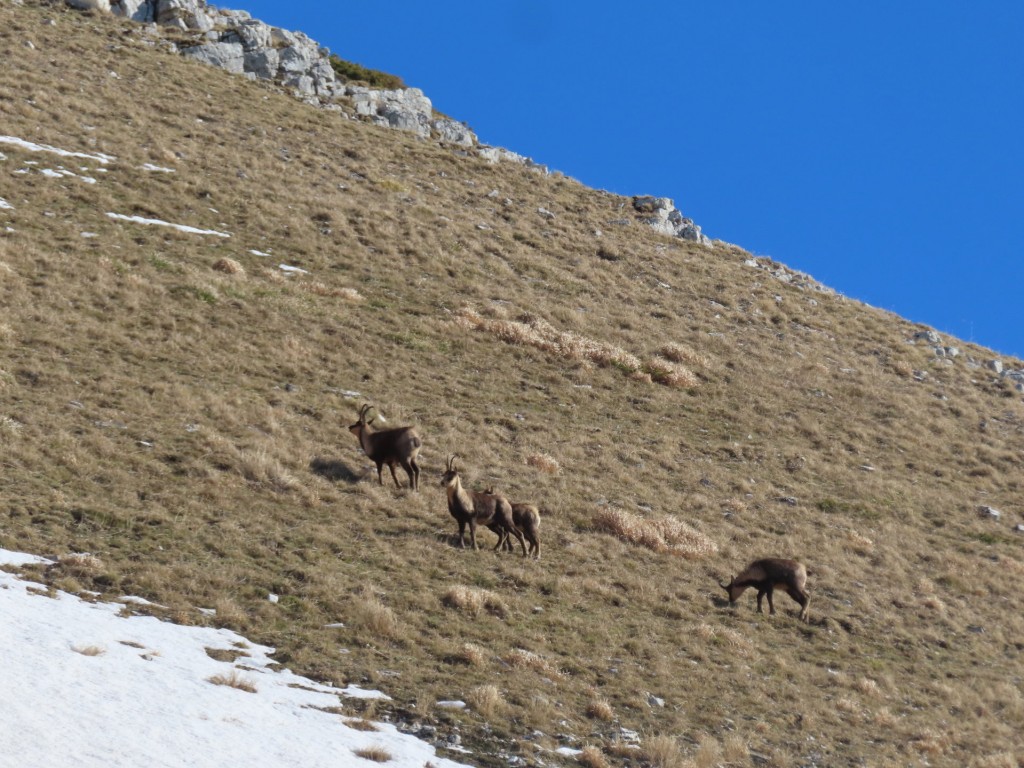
x,y
663,216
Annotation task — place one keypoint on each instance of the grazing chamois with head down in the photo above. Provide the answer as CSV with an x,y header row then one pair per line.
x,y
473,508
765,576
389,446
526,518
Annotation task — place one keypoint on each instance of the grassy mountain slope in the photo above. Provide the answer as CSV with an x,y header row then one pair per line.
x,y
177,405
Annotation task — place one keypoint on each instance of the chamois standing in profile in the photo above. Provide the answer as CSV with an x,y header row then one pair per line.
x,y
389,446
525,517
474,508
765,575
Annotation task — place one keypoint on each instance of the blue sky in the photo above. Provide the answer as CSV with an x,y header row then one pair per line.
x,y
877,146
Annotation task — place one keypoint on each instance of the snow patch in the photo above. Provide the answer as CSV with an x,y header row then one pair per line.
x,y
32,147
161,223
86,686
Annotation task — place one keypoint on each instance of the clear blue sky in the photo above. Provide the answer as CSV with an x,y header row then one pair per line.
x,y
877,146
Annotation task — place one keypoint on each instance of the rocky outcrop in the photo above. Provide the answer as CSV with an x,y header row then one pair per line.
x,y
661,214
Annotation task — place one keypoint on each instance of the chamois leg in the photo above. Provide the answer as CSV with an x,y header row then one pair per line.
x,y
472,533
416,472
408,470
771,605
462,534
522,540
760,596
391,466
803,599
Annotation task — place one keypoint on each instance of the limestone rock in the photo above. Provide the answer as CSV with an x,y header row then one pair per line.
x,y
662,215
90,5
229,56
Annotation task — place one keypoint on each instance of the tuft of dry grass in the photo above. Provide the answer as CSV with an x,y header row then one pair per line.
x,y
233,680
229,267
89,650
599,708
664,534
474,601
376,754
519,658
663,751
371,614
486,700
471,654
591,756
542,462
361,724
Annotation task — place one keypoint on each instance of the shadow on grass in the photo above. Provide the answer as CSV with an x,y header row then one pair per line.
x,y
332,469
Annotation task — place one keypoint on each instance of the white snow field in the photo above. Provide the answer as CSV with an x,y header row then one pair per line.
x,y
83,685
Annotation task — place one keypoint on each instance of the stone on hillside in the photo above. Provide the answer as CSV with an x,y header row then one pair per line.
x,y
453,132
229,56
929,336
136,10
253,35
663,217
90,5
183,14
989,512
262,63
996,365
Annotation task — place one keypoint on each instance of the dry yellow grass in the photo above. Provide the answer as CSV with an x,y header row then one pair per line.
x,y
660,534
188,429
234,680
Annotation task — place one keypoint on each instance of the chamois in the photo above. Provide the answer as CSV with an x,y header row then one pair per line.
x,y
473,508
525,517
765,575
389,446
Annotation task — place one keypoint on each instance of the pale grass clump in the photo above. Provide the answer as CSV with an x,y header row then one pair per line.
x,y
679,353
472,654
371,614
520,658
9,427
486,700
599,708
884,718
999,760
233,680
859,544
542,462
376,754
663,752
81,564
260,467
868,687
931,742
361,724
709,752
473,601
902,368
671,374
537,332
666,534
592,757
89,650
229,267
7,334
736,750
346,293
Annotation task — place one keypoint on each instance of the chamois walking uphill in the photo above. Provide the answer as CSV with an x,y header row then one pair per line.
x,y
765,575
475,508
400,445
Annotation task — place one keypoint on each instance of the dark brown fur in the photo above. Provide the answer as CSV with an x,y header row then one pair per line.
x,y
389,446
525,517
473,508
765,575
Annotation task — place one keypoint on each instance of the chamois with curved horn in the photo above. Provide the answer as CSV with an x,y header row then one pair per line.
x,y
400,445
764,576
474,508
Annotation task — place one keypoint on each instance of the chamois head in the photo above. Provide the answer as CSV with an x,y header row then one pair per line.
x,y
450,473
358,427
